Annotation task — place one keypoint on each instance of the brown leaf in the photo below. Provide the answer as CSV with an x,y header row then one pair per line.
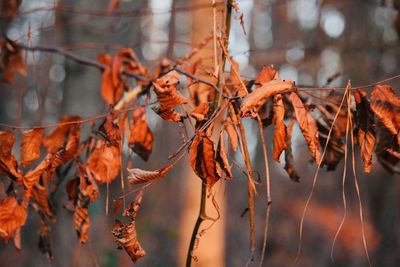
x,y
141,137
12,217
8,163
289,161
366,128
60,136
231,132
33,175
200,112
221,160
386,106
235,80
280,127
112,87
166,91
267,74
87,185
110,130
104,162
138,176
253,101
126,237
30,145
40,195
201,157
168,114
82,223
308,126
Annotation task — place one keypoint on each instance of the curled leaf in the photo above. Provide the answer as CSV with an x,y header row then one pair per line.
x,y
253,101
141,137
289,161
231,132
168,114
30,146
200,112
12,217
308,126
126,237
166,91
60,136
267,74
280,127
12,60
201,157
82,223
8,163
366,128
138,176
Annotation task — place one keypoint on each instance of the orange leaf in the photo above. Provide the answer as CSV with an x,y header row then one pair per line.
x,y
113,5
221,160
167,94
200,112
110,129
104,162
366,128
201,157
30,146
235,80
289,161
12,60
280,127
60,136
82,223
8,163
138,176
168,114
33,175
112,87
126,237
12,217
267,74
308,126
232,134
253,101
40,194
141,137
386,104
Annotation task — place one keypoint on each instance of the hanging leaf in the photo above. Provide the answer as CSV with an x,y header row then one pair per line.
x,y
235,80
201,157
231,132
40,195
12,217
280,127
221,160
166,91
110,130
126,237
267,74
112,87
308,126
138,176
33,175
87,184
8,163
386,105
365,128
386,142
252,102
104,162
289,161
12,60
82,223
30,145
168,114
141,137
200,112
60,136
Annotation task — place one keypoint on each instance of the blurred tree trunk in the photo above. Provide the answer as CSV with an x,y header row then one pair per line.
x,y
210,250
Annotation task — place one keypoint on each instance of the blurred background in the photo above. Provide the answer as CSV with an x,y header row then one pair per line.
x,y
308,41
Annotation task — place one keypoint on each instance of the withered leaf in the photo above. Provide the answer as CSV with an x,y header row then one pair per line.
x,y
386,142
267,74
221,160
168,114
104,162
60,136
112,87
280,127
166,91
231,132
8,163
235,79
253,101
289,161
308,126
87,185
126,237
386,106
138,176
141,137
30,146
33,175
40,195
110,130
201,157
82,223
366,128
200,112
12,216
12,60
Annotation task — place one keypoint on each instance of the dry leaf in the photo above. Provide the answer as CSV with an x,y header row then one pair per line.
x,y
386,105
252,102
280,127
168,114
366,128
200,112
166,91
104,162
110,130
201,157
231,132
141,137
235,80
40,195
221,160
12,60
112,87
12,217
289,161
60,136
82,223
8,163
30,145
267,74
126,237
308,126
138,176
